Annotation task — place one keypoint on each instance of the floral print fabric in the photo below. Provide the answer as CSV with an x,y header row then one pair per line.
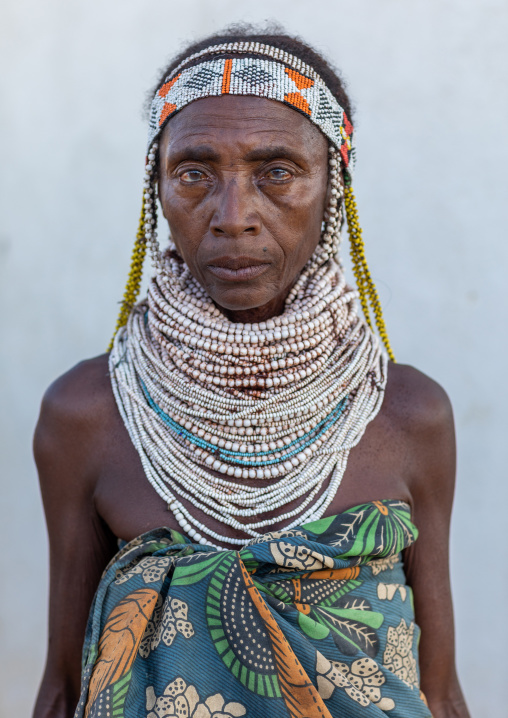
x,y
314,622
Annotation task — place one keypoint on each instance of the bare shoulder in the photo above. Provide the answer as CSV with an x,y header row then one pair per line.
x,y
82,390
415,401
74,411
420,410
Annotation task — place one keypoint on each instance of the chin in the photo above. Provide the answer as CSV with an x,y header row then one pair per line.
x,y
241,301
239,304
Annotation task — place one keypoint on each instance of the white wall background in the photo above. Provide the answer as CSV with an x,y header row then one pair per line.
x,y
428,79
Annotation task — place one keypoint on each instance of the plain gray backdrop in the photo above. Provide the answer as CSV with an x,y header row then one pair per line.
x,y
428,79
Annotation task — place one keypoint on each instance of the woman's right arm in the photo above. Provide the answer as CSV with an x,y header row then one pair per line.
x,y
67,449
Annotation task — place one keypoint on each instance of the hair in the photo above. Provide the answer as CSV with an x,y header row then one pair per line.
x,y
272,35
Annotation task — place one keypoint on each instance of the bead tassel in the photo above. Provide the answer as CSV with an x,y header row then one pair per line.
x,y
364,281
135,273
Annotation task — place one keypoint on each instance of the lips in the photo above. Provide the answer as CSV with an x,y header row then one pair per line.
x,y
237,268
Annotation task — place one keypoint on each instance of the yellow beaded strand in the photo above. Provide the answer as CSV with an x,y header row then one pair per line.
x,y
135,273
364,281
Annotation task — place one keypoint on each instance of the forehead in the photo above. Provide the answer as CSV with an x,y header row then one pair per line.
x,y
242,121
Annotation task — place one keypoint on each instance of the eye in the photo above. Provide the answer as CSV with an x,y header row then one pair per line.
x,y
279,174
192,176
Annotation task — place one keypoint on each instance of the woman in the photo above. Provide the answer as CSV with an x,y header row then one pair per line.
x,y
290,461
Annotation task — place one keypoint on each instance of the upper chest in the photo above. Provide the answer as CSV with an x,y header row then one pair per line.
x,y
377,468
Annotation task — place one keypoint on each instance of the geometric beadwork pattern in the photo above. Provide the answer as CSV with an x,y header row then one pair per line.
x,y
259,77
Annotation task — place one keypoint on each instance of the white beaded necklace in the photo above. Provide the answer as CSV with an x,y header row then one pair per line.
x,y
209,403
281,402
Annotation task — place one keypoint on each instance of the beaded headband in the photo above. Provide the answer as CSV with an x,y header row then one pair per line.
x,y
283,77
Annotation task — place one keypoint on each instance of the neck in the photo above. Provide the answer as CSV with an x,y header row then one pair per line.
x,y
274,308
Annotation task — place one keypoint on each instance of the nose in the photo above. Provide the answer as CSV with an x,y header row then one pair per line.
x,y
235,214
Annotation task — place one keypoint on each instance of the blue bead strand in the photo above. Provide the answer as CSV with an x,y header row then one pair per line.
x,y
302,443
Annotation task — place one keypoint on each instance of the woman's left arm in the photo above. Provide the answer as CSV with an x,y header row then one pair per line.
x,y
427,561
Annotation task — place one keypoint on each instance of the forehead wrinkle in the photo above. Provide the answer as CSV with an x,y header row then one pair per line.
x,y
239,151
240,130
282,141
198,118
242,118
200,126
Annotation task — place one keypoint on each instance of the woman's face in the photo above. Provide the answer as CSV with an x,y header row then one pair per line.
x,y
243,185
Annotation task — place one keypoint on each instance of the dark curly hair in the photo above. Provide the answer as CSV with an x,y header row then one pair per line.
x,y
270,35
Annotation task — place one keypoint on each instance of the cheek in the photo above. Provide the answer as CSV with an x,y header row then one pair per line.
x,y
299,224
308,203
172,206
183,219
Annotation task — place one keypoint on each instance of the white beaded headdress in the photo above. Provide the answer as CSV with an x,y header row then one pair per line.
x,y
210,403
283,77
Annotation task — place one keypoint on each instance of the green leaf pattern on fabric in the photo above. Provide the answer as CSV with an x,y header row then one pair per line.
x,y
312,622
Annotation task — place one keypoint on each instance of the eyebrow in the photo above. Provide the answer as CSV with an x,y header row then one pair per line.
x,y
206,153
274,153
199,153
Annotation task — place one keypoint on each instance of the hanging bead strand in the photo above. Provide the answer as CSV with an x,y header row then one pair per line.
x,y
364,281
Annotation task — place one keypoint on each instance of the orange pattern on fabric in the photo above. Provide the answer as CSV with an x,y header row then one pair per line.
x,y
337,574
298,101
302,607
381,507
167,86
226,77
300,80
120,640
300,696
297,585
168,108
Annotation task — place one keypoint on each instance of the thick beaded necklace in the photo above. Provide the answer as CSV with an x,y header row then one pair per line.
x,y
210,403
281,402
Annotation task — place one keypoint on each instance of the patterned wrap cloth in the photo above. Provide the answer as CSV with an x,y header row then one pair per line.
x,y
313,622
